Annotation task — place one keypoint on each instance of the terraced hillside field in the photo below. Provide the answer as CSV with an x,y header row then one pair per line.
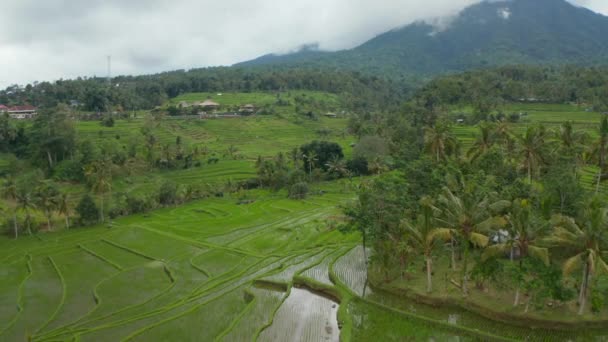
x,y
550,115
185,273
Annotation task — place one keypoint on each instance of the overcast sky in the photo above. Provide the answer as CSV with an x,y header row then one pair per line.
x,y
52,39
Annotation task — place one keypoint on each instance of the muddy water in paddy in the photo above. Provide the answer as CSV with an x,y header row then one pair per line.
x,y
304,316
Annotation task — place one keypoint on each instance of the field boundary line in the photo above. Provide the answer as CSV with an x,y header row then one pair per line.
x,y
102,258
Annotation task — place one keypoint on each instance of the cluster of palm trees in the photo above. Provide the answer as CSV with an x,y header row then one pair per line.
x,y
40,195
464,220
531,150
504,229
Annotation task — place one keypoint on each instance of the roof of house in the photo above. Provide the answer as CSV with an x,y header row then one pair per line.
x,y
3,107
21,108
248,106
209,103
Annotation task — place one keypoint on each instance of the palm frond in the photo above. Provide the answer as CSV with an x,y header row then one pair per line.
x,y
539,253
572,264
444,234
478,239
495,250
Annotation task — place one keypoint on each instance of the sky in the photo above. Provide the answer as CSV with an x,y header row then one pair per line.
x,y
53,39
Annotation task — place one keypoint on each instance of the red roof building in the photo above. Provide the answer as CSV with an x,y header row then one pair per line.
x,y
22,112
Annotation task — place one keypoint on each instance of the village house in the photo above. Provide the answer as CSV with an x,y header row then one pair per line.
x,y
247,109
209,106
19,112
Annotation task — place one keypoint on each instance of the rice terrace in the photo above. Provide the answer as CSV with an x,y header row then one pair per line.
x,y
446,180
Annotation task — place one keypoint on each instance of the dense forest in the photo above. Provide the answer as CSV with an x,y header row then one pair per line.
x,y
489,88
147,92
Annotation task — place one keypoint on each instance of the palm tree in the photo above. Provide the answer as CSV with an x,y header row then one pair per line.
x,y
423,235
377,166
63,206
568,137
483,143
336,166
503,135
46,199
531,149
9,192
523,235
586,239
99,175
231,151
470,217
26,203
600,149
311,158
440,142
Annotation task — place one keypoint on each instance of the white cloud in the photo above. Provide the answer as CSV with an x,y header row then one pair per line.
x,y
52,39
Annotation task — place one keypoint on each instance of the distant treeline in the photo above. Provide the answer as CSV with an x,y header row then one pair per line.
x,y
146,92
486,89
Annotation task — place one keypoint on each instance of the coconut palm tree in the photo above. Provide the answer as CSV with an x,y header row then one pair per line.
x,y
568,137
532,149
440,142
523,236
311,158
600,149
336,166
471,217
26,203
9,192
46,199
423,235
484,141
63,207
99,175
586,238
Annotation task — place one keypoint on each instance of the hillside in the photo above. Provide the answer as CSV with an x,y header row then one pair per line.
x,y
490,33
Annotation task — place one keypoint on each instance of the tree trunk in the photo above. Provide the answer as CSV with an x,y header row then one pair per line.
x,y
16,228
67,221
48,154
528,304
599,174
429,279
453,256
581,290
516,302
585,285
599,178
48,221
29,223
465,290
101,210
529,173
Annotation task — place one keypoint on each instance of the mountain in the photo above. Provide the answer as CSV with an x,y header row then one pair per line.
x,y
490,33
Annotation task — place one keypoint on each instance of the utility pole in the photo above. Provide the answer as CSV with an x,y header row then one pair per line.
x,y
109,70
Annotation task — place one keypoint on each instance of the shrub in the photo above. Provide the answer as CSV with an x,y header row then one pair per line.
x,y
358,166
597,301
87,210
107,121
167,195
137,204
68,170
298,191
